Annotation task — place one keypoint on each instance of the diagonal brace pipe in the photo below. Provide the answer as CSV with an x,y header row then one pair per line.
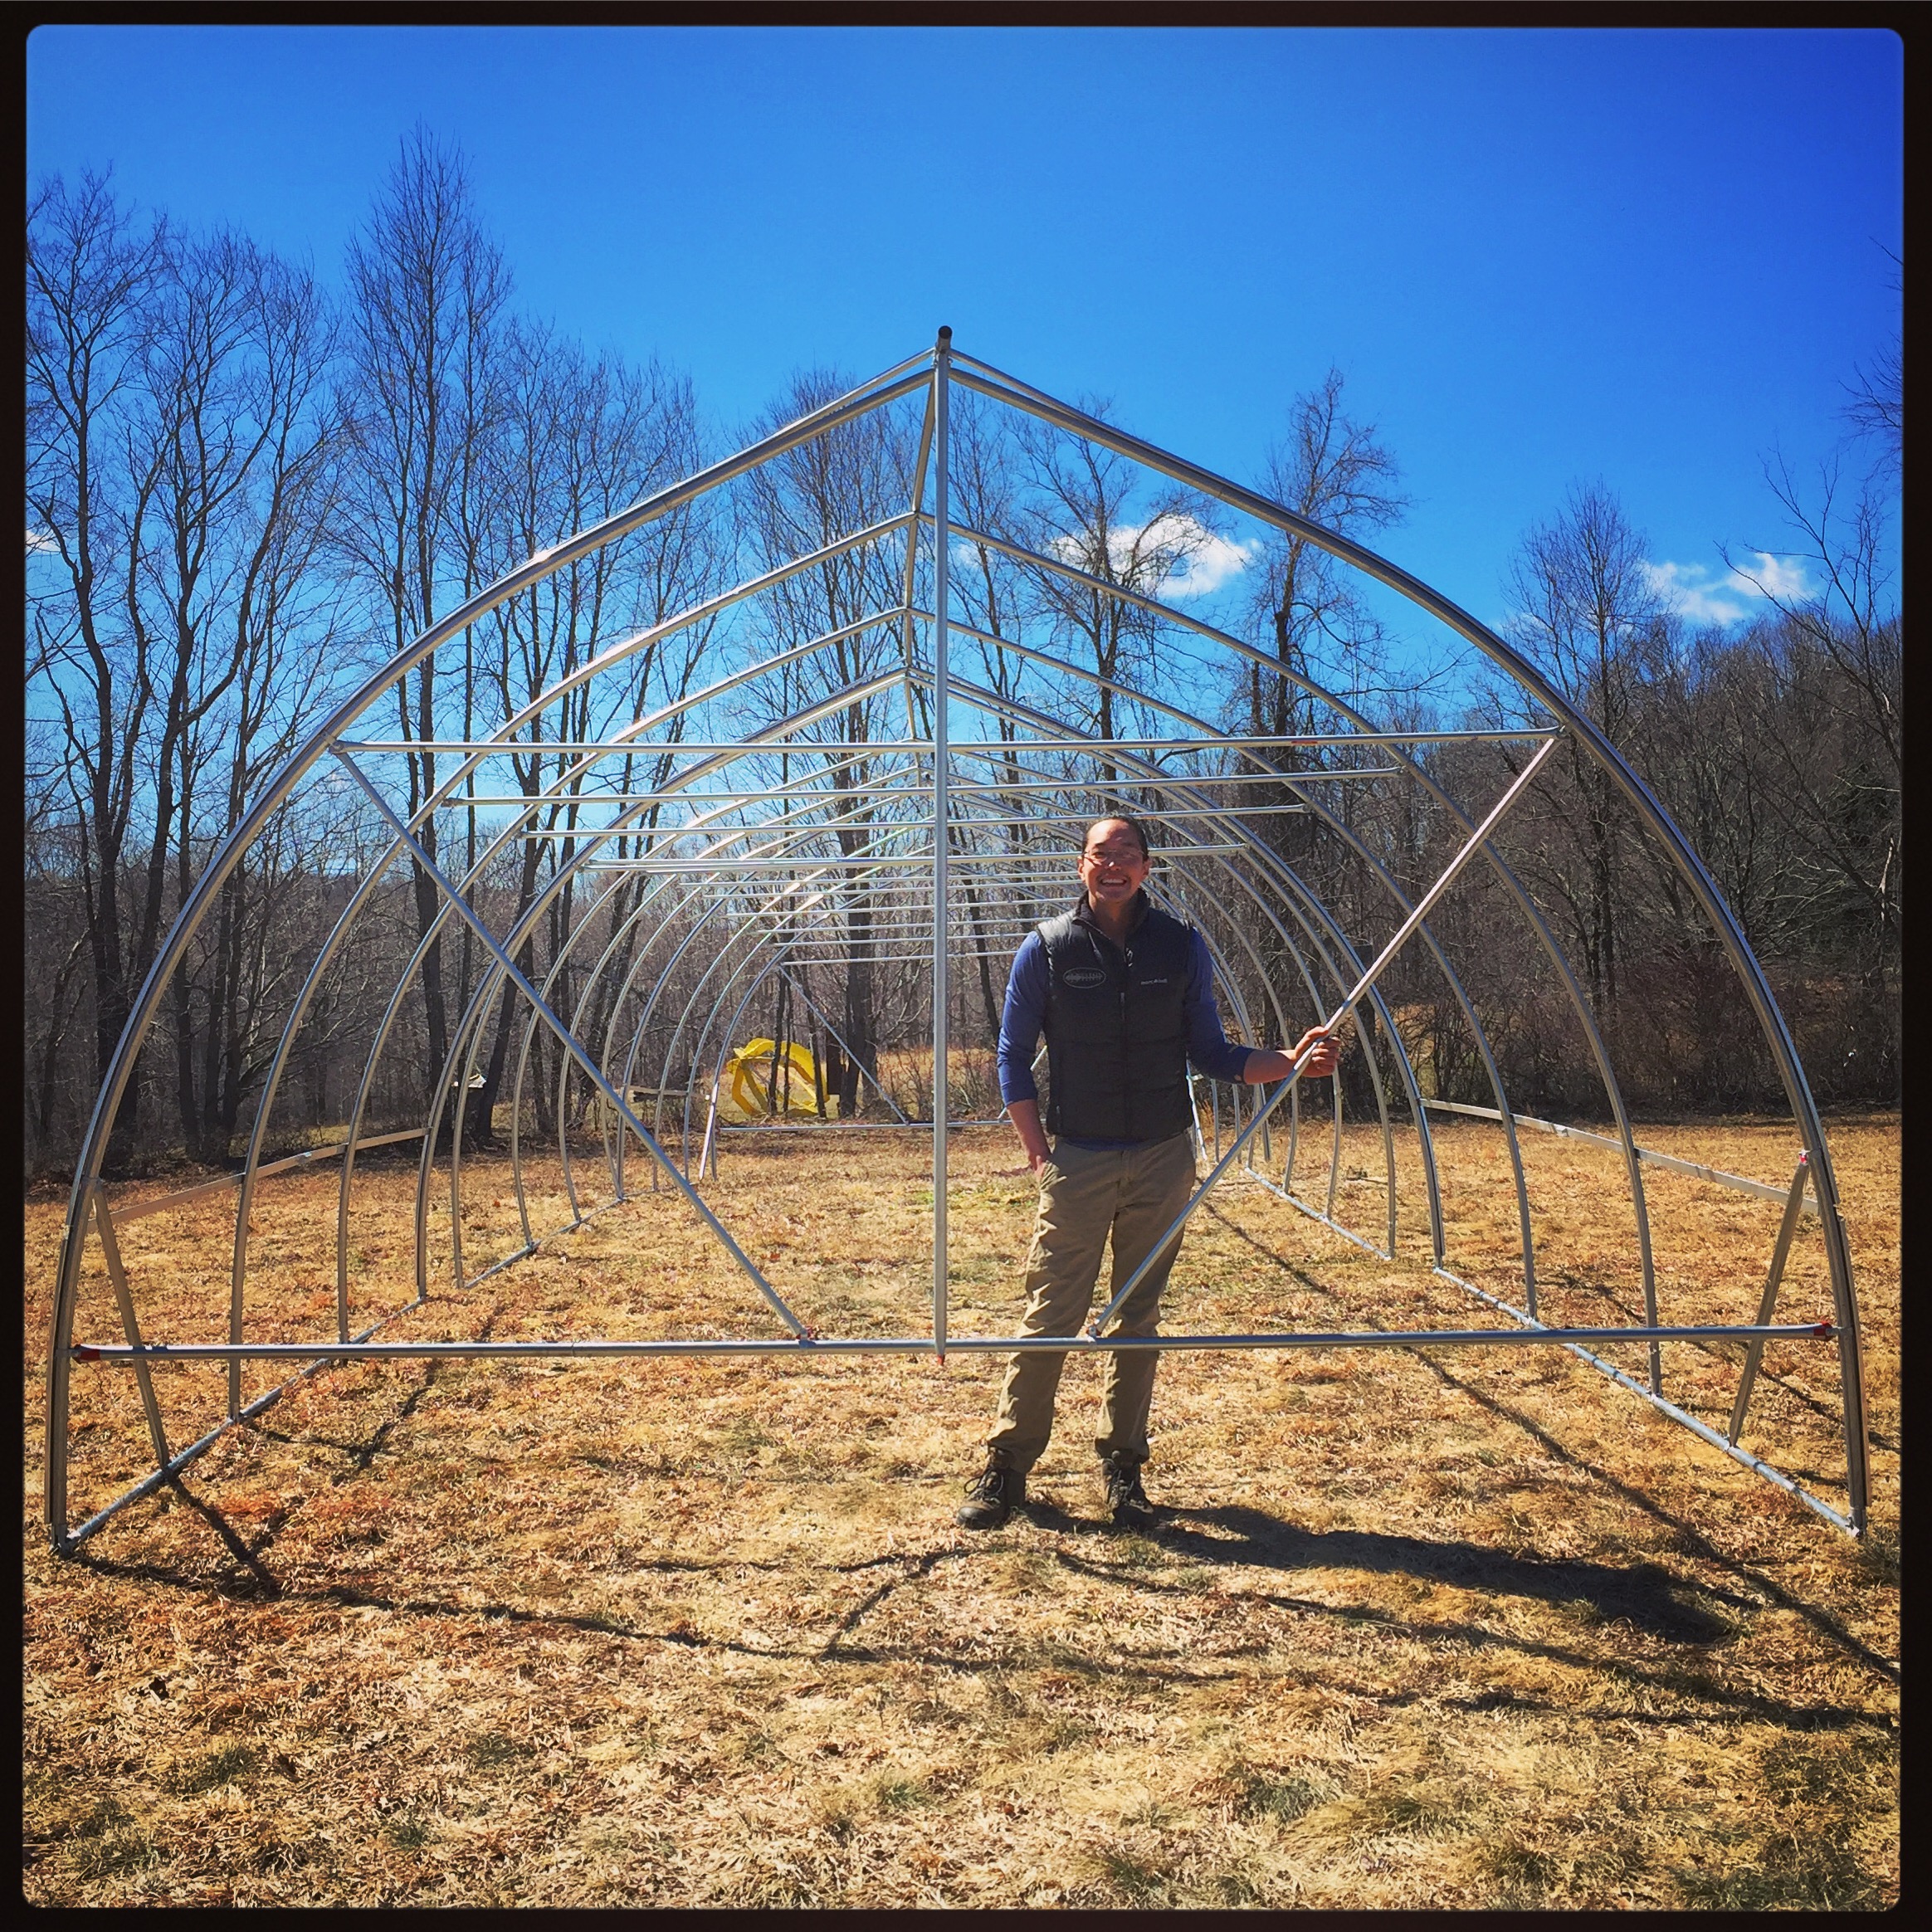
x,y
1793,1205
1417,913
572,1044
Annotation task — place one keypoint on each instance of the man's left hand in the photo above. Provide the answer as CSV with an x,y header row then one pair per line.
x,y
1324,1052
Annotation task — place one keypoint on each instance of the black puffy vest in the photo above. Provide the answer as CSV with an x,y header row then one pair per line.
x,y
1116,1031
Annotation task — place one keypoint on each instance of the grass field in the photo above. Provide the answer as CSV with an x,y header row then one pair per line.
x,y
1419,1627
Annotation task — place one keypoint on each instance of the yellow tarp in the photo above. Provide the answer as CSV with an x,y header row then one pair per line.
x,y
745,1093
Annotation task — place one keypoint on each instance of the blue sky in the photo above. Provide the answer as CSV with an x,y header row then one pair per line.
x,y
1538,256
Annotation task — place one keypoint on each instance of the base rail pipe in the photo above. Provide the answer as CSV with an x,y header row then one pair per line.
x,y
197,1352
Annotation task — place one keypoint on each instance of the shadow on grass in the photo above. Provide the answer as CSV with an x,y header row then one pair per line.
x,y
251,1579
360,1454
1685,1685
1689,1540
1644,1595
1258,1539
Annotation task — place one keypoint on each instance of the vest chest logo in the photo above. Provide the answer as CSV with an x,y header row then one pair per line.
x,y
1082,977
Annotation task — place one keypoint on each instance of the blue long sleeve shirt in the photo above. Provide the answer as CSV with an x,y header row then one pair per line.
x,y
1021,1021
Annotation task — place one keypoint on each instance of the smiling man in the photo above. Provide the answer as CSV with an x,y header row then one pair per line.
x,y
1125,996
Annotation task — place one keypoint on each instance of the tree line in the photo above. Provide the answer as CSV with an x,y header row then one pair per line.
x,y
248,492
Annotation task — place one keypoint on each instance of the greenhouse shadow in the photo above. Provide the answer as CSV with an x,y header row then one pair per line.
x,y
1644,1594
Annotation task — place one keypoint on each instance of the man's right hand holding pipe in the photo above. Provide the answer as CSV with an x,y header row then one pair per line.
x,y
1324,1051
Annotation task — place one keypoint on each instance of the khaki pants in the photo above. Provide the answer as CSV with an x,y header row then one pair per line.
x,y
1134,1194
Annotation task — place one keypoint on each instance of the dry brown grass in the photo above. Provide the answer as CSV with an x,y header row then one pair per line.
x,y
1444,1629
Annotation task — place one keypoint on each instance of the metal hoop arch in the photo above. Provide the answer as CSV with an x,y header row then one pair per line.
x,y
1261,878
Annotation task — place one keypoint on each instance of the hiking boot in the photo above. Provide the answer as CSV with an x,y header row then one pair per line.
x,y
991,1496
1126,1499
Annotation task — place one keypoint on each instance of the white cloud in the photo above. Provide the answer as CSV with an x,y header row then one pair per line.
x,y
1214,560
39,540
1780,576
1696,593
1686,589
1217,561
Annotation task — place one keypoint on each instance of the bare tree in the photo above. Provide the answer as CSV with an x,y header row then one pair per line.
x,y
426,288
994,596
1589,614
843,480
221,542
91,276
1331,469
668,568
1100,513
1833,661
1877,408
278,626
578,439
168,481
54,953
